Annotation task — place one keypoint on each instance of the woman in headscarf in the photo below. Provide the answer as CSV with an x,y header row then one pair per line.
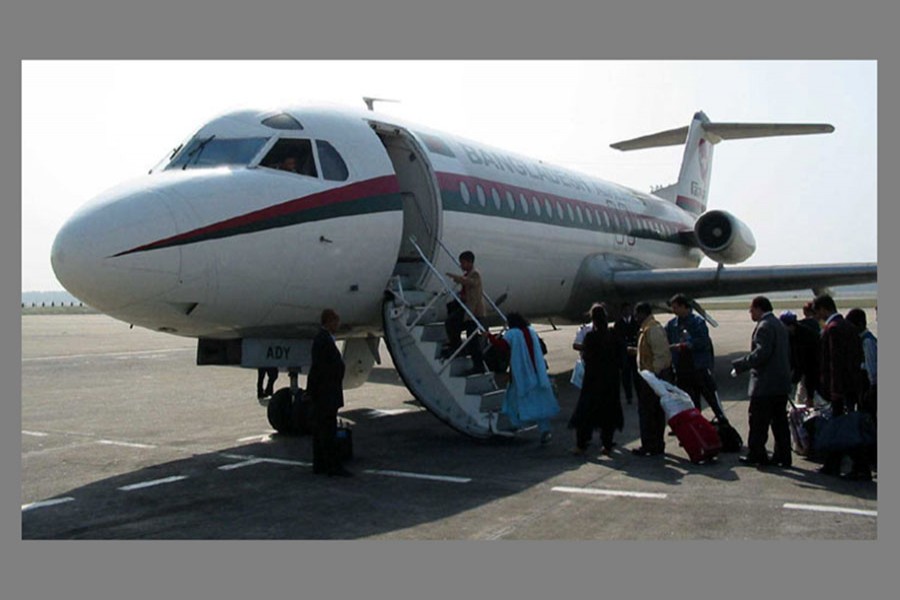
x,y
598,404
529,395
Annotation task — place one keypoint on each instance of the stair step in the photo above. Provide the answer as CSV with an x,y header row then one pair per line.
x,y
407,342
422,315
434,332
503,423
415,335
415,298
480,384
460,365
492,401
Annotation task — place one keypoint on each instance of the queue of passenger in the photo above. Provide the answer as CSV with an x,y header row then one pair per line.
x,y
827,363
824,360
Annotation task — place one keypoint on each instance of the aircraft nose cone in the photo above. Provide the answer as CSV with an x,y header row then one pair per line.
x,y
87,252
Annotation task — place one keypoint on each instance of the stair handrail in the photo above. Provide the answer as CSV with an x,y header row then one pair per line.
x,y
447,286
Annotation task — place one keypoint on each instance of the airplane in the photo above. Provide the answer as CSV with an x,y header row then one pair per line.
x,y
245,232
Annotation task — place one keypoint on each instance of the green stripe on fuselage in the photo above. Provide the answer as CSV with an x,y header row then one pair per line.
x,y
453,201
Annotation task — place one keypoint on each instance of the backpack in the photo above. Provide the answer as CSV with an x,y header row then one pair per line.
x,y
731,439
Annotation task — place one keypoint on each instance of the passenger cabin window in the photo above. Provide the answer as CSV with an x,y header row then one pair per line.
x,y
205,151
295,156
333,166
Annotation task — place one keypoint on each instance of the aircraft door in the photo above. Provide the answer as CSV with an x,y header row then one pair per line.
x,y
421,202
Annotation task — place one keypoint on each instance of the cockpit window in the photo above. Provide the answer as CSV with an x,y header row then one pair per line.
x,y
333,166
210,151
291,155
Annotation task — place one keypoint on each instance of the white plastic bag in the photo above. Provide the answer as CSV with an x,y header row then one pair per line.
x,y
672,398
577,374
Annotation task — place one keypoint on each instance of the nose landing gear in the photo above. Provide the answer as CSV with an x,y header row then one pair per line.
x,y
288,409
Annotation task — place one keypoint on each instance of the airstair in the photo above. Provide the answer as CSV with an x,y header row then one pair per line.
x,y
415,336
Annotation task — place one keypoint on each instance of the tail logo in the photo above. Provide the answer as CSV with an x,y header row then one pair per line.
x,y
703,160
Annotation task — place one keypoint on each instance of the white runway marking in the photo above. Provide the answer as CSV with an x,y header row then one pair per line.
x,y
45,503
419,476
596,492
262,437
834,509
250,460
126,444
34,433
499,533
146,484
246,463
376,413
107,354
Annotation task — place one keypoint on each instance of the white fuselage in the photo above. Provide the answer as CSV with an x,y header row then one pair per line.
x,y
238,249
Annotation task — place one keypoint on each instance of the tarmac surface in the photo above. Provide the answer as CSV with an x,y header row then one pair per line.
x,y
124,437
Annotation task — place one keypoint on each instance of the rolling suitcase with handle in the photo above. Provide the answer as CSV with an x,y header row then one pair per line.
x,y
696,435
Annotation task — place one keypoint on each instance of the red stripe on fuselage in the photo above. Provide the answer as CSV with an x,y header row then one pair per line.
x,y
355,191
451,181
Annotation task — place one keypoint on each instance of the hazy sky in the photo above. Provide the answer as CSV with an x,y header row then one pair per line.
x,y
88,125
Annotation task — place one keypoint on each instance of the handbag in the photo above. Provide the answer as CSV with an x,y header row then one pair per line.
x,y
731,439
496,358
845,433
577,378
343,440
800,434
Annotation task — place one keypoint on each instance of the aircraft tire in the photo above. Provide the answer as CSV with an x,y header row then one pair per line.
x,y
279,411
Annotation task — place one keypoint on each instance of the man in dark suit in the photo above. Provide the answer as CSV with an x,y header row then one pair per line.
x,y
839,376
626,331
769,363
324,386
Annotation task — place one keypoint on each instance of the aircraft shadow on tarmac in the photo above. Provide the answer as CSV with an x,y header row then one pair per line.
x,y
265,489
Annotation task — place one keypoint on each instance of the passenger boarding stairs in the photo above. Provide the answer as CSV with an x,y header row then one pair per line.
x,y
415,336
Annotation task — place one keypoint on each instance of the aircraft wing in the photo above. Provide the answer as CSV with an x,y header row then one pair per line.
x,y
660,284
613,279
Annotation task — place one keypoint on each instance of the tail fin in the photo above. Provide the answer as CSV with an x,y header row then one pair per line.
x,y
690,193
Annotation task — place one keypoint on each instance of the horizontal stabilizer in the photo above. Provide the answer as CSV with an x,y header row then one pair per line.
x,y
723,131
736,131
672,137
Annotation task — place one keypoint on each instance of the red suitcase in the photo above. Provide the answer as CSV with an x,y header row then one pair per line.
x,y
696,435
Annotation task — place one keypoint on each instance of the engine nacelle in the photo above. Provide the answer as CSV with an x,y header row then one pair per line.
x,y
724,238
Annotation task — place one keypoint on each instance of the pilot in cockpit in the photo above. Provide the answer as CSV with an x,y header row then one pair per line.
x,y
288,163
294,156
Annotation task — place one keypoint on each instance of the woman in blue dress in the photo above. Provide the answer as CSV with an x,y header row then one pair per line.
x,y
529,396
